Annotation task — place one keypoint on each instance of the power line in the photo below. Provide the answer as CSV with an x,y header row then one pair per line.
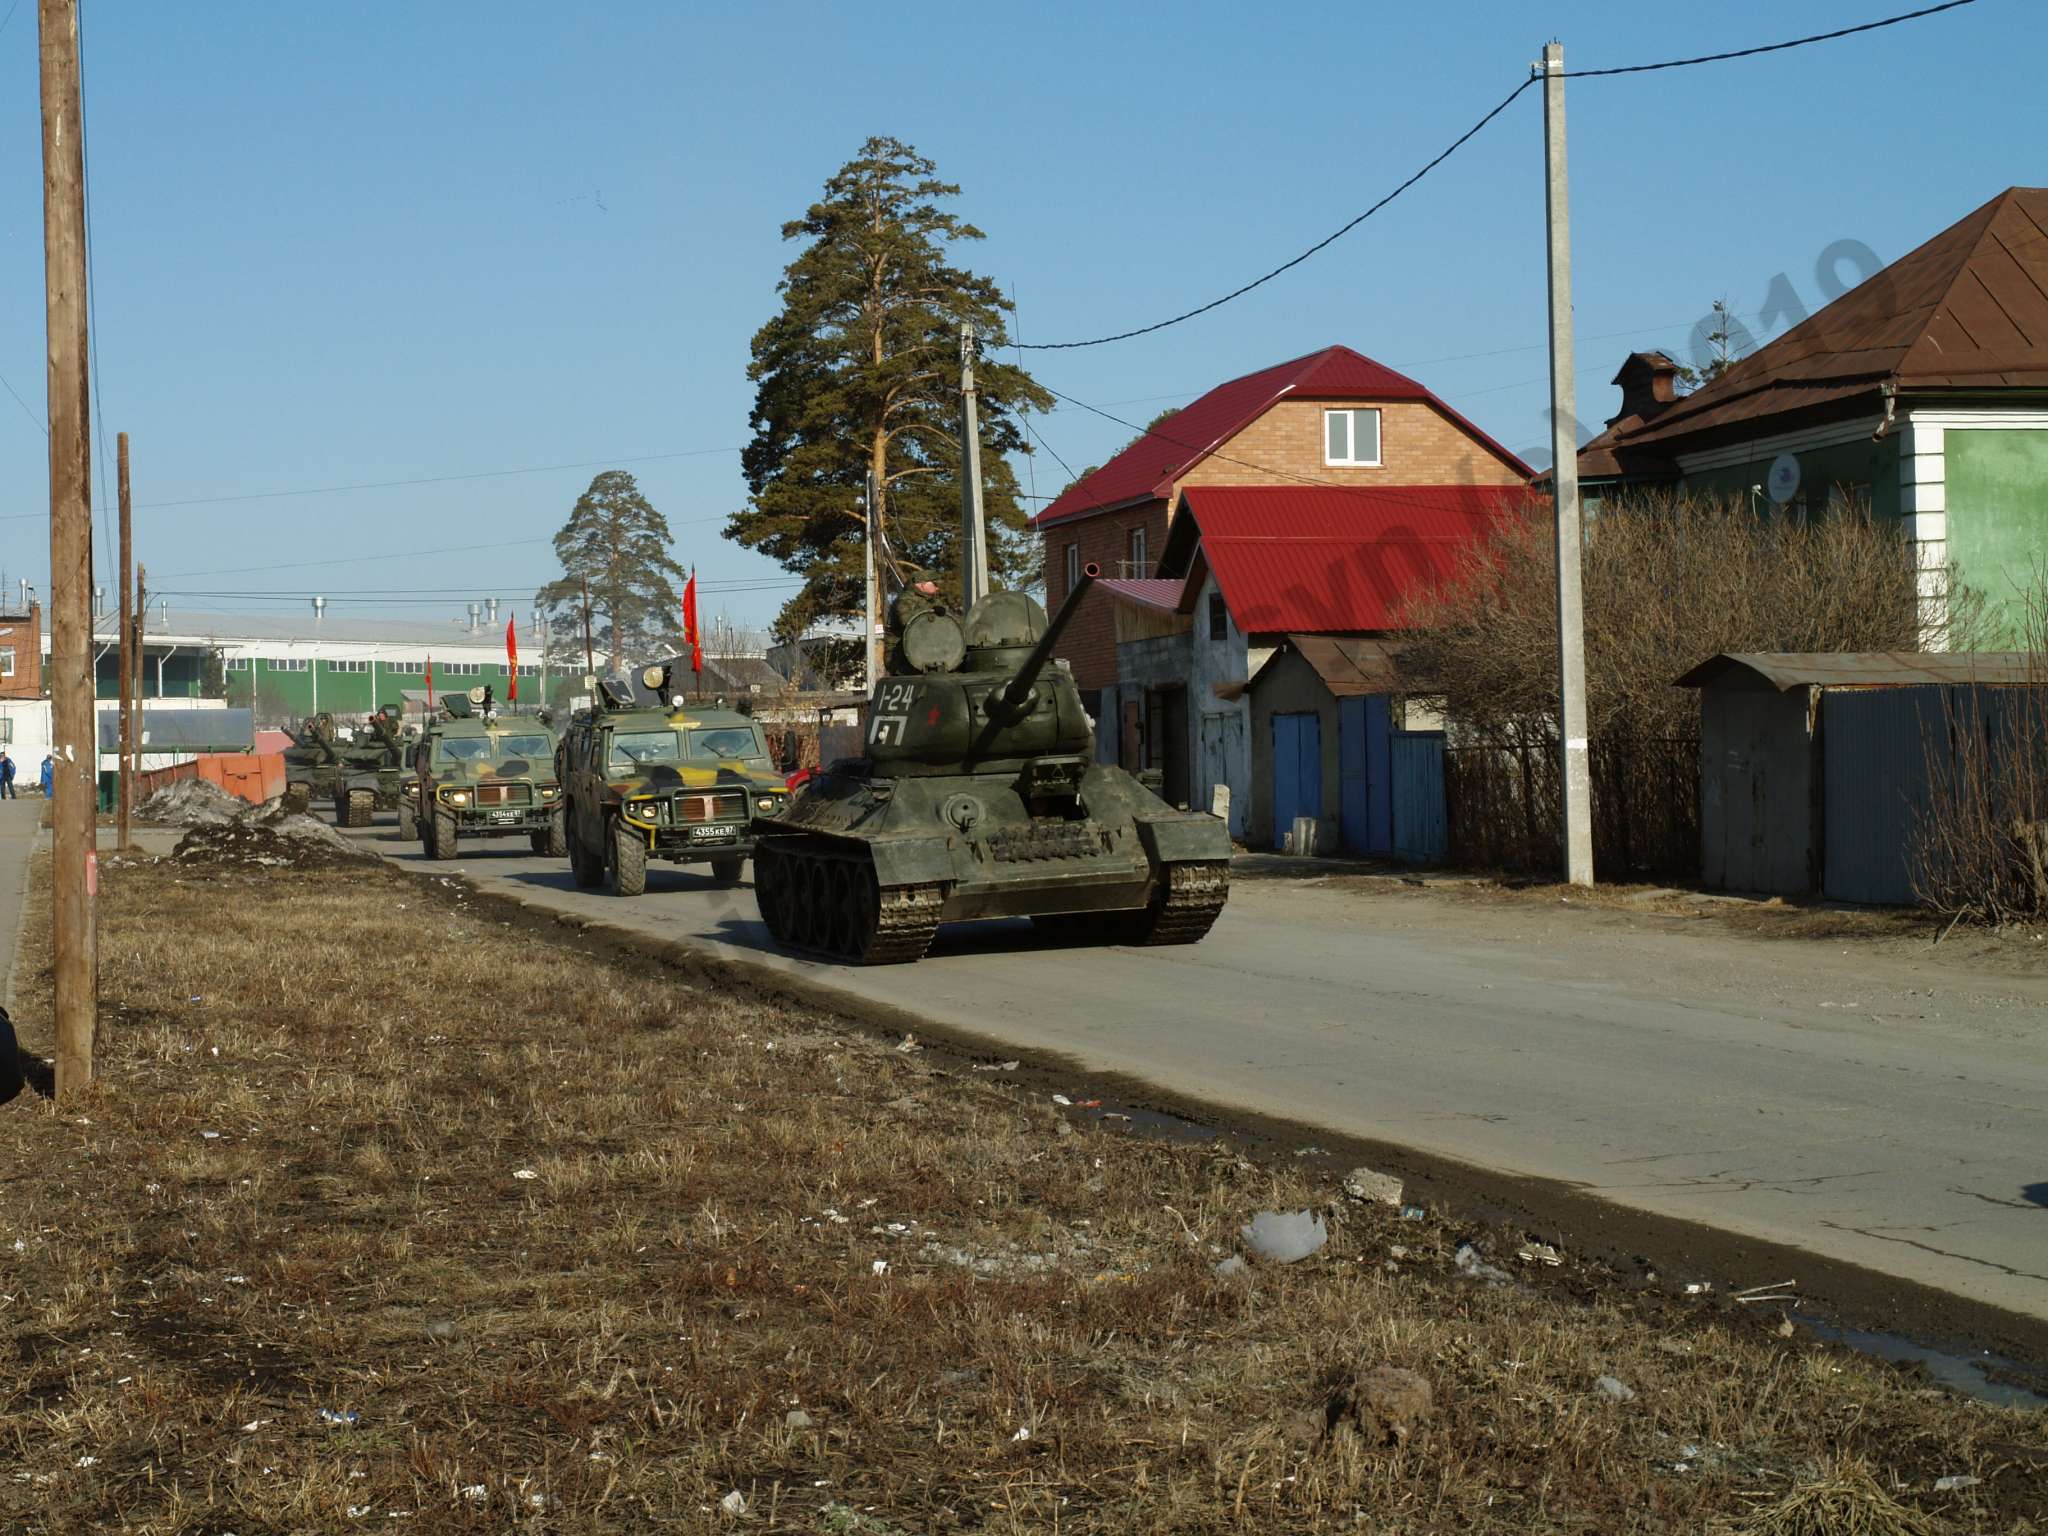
x,y
1330,239
1750,53
1459,142
92,293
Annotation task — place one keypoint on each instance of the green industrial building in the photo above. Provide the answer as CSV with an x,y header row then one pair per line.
x,y
287,668
1921,394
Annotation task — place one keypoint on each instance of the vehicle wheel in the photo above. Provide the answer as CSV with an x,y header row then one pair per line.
x,y
359,808
558,834
442,845
408,824
727,871
629,861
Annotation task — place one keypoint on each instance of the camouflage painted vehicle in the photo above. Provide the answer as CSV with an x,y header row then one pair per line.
x,y
477,773
675,782
372,771
980,797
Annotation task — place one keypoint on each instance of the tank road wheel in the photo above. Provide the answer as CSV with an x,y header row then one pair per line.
x,y
629,861
358,808
1187,902
441,845
408,823
298,797
863,912
587,867
726,871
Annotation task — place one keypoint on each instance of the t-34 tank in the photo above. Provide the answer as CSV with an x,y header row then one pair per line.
x,y
980,797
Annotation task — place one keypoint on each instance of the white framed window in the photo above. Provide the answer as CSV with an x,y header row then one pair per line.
x,y
407,668
459,668
285,663
236,664
1351,437
529,669
1138,562
348,666
6,661
1073,566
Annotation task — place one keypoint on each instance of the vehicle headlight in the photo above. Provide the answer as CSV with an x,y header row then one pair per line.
x,y
766,803
549,791
458,797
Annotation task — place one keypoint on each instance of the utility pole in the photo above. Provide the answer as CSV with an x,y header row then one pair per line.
x,y
1574,768
141,634
71,704
973,530
589,651
871,611
127,743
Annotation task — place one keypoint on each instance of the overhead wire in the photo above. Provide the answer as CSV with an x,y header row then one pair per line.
x,y
1462,139
108,552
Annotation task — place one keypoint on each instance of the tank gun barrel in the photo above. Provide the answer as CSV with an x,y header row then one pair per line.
x,y
1016,698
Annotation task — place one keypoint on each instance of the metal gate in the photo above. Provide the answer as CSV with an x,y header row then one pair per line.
x,y
1421,832
1874,754
1364,775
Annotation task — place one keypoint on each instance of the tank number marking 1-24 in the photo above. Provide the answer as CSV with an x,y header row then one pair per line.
x,y
892,713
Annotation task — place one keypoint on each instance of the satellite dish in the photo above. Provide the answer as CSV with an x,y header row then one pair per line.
x,y
1782,483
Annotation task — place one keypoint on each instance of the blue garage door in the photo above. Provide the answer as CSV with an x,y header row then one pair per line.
x,y
1297,771
1364,775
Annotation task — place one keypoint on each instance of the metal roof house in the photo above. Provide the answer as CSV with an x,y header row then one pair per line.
x,y
1813,768
1920,393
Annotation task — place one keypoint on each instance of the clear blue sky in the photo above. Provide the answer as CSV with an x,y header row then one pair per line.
x,y
374,242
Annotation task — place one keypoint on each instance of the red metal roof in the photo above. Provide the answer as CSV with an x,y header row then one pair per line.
x,y
1152,591
1315,558
1148,468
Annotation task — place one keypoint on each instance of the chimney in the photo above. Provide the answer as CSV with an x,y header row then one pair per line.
x,y
491,611
1649,385
319,609
474,610
24,591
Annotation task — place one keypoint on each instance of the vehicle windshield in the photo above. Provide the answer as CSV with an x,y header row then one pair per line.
x,y
637,749
524,746
726,742
462,749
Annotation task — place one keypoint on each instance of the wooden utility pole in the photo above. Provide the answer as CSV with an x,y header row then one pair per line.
x,y
76,749
1575,769
589,651
973,530
127,741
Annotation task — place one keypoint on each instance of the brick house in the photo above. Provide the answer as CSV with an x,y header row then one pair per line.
x,y
21,652
1146,649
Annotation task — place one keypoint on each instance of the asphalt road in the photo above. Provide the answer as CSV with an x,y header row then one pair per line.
x,y
1883,1108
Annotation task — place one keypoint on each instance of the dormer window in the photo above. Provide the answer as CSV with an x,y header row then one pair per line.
x,y
1352,438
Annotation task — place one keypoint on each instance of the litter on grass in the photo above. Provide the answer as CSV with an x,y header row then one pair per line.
x,y
1285,1238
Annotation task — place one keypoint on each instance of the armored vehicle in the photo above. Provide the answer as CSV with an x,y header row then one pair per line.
x,y
979,796
677,782
371,771
477,773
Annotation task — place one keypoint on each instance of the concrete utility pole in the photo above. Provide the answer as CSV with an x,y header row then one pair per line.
x,y
71,704
973,530
1574,768
127,650
871,608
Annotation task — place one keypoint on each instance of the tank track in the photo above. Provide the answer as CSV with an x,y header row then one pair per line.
x,y
790,882
1193,896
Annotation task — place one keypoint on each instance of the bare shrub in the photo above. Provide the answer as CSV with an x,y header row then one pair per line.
x,y
1979,846
1669,580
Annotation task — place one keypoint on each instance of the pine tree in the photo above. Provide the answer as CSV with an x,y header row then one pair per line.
x,y
617,542
858,373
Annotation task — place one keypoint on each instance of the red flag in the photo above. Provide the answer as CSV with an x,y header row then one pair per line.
x,y
430,685
512,661
690,635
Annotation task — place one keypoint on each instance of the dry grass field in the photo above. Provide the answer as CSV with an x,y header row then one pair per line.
x,y
386,1215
